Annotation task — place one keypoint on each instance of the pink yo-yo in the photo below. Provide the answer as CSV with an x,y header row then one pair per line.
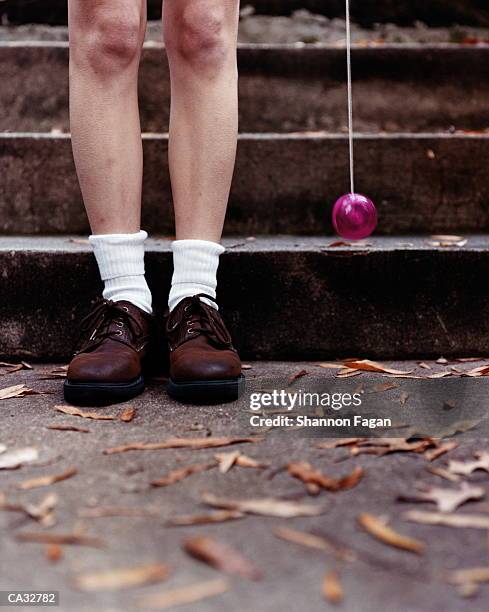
x,y
354,216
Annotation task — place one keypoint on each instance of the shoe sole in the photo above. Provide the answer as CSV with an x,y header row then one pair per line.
x,y
207,391
101,394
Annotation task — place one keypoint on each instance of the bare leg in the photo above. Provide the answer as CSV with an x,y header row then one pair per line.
x,y
200,37
105,46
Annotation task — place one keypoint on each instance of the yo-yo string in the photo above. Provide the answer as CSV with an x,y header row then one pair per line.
x,y
350,96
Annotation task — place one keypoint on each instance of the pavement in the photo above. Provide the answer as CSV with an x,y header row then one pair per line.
x,y
381,578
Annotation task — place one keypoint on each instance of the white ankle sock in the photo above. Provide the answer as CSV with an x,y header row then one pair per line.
x,y
195,265
120,259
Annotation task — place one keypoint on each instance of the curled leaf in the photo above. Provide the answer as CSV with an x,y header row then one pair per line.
x,y
221,556
382,532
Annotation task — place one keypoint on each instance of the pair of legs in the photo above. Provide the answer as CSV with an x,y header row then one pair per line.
x,y
106,38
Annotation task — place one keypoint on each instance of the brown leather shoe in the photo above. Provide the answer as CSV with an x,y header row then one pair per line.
x,y
107,368
204,365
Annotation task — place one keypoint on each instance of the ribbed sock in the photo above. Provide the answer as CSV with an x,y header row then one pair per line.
x,y
120,259
195,264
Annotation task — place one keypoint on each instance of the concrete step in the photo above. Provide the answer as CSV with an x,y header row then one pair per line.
x,y
284,298
433,12
283,88
284,183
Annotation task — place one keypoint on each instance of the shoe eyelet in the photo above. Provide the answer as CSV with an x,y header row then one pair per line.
x,y
119,323
119,332
125,308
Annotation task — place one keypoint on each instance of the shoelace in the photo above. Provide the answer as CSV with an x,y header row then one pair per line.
x,y
99,320
211,324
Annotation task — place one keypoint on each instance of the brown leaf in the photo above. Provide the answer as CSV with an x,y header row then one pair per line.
x,y
104,511
447,241
221,556
337,443
382,387
447,500
331,366
440,450
305,472
181,473
54,553
128,415
310,540
442,473
465,468
46,481
470,576
220,516
60,427
18,391
384,446
296,376
96,416
372,366
14,459
332,589
42,512
193,443
69,539
265,506
226,460
122,578
192,593
382,532
474,521
248,462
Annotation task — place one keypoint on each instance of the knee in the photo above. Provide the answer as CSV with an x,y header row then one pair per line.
x,y
107,39
201,36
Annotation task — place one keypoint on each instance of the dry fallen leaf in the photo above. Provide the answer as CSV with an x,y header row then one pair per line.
x,y
181,473
384,446
332,589
192,443
442,473
18,391
54,553
122,578
228,460
96,416
447,500
310,540
305,472
68,539
470,576
474,521
46,481
265,506
61,427
14,459
372,366
104,511
42,512
465,468
331,366
128,414
220,516
296,376
338,443
221,556
447,241
180,596
382,532
440,450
